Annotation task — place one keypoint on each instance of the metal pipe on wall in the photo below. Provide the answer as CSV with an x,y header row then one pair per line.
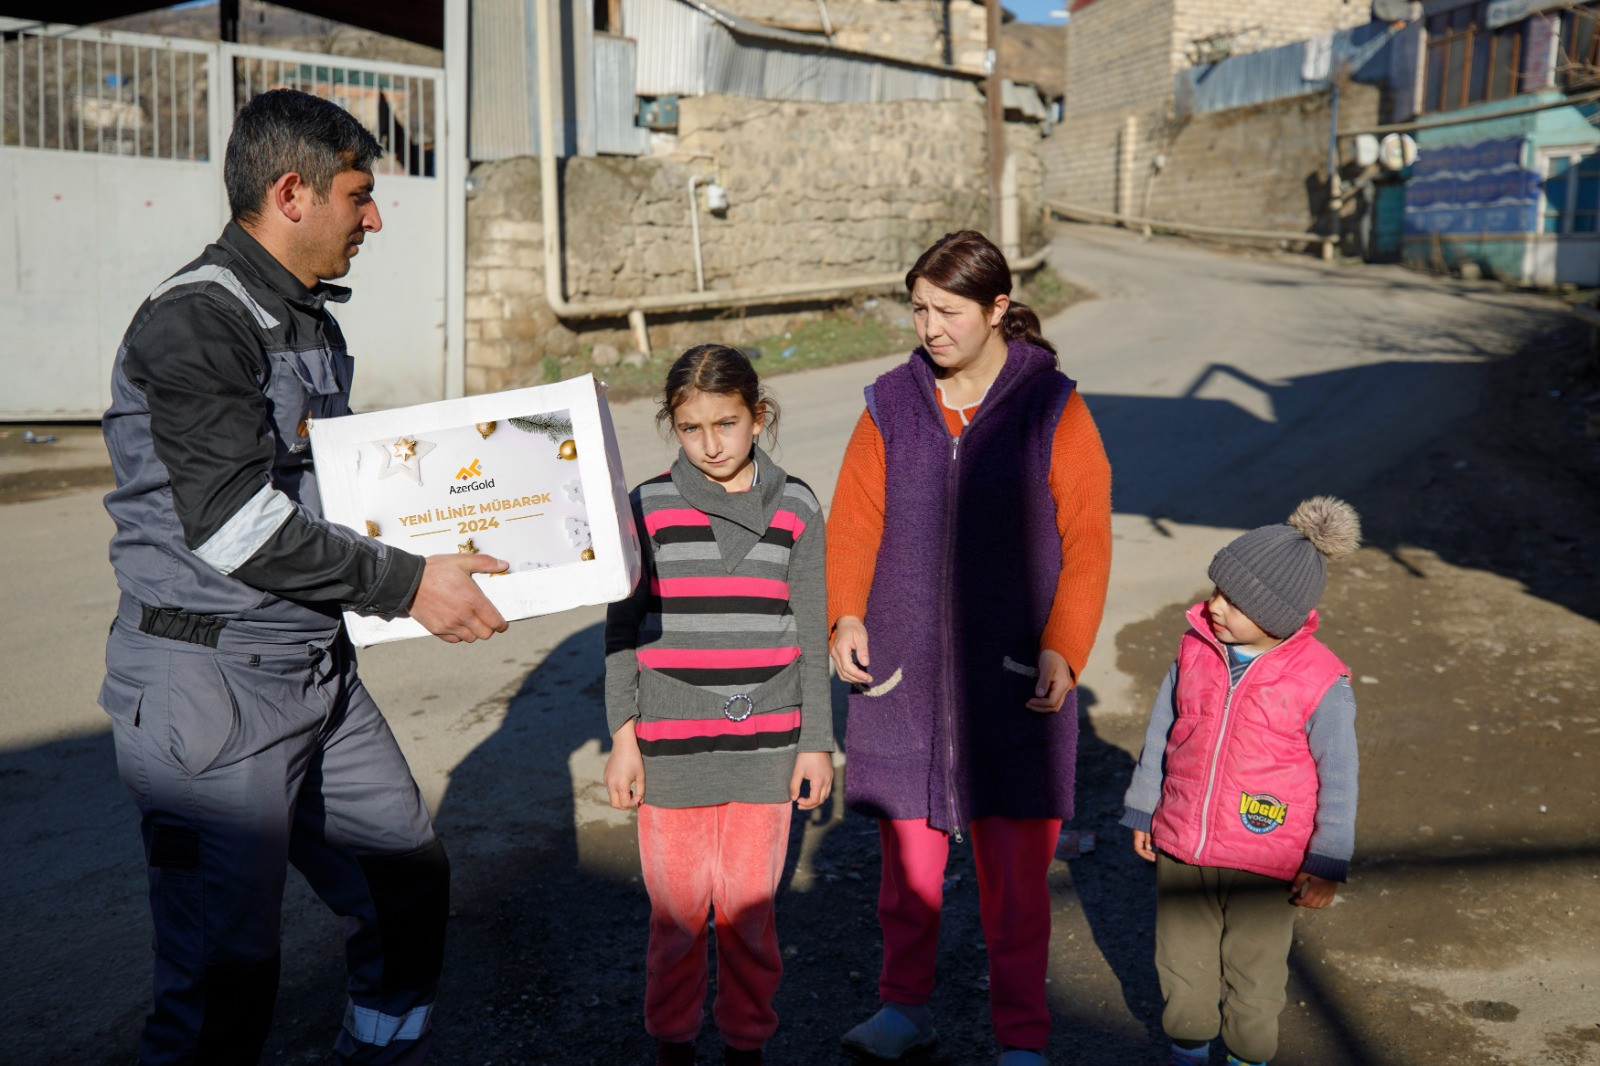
x,y
827,23
694,229
1335,192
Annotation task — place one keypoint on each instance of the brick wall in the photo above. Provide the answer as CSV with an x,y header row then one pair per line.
x,y
815,191
1122,55
1119,64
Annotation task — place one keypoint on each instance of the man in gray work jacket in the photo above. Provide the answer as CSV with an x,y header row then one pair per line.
x,y
242,729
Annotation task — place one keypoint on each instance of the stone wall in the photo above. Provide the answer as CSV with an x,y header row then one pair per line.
x,y
913,30
815,191
1259,167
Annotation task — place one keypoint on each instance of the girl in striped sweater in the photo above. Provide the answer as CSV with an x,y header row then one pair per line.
x,y
717,695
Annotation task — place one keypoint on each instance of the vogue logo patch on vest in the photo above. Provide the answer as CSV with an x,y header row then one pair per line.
x,y
1263,813
467,473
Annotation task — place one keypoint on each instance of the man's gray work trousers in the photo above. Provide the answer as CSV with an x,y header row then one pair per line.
x,y
245,758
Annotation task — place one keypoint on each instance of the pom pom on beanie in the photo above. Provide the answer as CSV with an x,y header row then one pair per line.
x,y
1276,574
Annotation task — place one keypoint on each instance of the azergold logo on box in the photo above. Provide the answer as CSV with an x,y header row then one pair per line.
x,y
467,473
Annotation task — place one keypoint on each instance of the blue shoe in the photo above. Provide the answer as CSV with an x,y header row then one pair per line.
x,y
889,1035
1234,1060
1020,1057
1190,1056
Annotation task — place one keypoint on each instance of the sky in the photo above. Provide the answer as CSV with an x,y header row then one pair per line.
x,y
1035,10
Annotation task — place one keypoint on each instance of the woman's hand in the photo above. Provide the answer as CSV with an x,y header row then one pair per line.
x,y
1055,681
624,773
849,649
815,767
1143,845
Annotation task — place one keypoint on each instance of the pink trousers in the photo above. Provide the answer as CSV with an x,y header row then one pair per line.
x,y
727,859
1013,856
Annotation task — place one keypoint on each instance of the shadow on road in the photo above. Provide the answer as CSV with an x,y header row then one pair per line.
x,y
1235,451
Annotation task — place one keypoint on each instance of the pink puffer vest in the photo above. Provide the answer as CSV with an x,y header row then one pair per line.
x,y
1240,788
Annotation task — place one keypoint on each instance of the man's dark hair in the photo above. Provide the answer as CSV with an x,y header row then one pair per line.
x,y
287,130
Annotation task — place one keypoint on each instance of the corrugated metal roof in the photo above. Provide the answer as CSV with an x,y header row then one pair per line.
x,y
687,47
503,110
1277,73
616,133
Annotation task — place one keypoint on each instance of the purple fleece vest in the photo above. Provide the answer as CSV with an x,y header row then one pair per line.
x,y
965,579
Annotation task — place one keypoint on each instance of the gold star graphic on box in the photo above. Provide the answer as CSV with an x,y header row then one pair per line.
x,y
404,456
468,548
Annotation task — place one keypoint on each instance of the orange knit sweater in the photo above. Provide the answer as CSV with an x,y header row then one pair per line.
x,y
1080,481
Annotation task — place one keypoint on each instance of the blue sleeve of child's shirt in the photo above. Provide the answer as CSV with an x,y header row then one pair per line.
x,y
1144,791
1331,733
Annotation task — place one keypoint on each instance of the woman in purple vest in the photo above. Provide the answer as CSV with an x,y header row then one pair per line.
x,y
970,537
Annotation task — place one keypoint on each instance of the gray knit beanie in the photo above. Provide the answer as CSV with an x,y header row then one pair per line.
x,y
1276,574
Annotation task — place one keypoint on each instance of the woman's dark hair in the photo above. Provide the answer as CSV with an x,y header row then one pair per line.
x,y
721,370
968,264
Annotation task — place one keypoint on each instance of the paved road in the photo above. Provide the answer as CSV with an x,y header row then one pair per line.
x,y
1227,387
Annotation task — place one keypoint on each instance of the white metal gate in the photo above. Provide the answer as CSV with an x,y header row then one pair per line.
x,y
111,150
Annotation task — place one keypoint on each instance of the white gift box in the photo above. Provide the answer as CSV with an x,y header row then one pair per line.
x,y
531,476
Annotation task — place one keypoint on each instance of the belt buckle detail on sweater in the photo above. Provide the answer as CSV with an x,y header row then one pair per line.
x,y
749,708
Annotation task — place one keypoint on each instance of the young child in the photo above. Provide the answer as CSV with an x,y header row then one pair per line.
x,y
1245,793
717,696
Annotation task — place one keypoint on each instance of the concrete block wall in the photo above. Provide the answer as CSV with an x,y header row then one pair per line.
x,y
815,191
914,30
1119,64
1122,55
1258,167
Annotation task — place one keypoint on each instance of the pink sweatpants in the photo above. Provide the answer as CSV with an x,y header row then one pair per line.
x,y
1013,857
726,858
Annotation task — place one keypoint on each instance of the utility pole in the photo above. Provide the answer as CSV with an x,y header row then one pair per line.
x,y
997,117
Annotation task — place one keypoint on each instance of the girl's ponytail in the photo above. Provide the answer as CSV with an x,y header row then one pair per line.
x,y
1022,323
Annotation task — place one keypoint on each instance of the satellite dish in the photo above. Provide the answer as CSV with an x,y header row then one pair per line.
x,y
1366,150
1397,151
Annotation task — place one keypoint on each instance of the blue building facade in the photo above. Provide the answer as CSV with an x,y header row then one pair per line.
x,y
1507,173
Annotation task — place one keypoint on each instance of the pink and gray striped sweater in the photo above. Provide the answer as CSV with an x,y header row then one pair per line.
x,y
722,650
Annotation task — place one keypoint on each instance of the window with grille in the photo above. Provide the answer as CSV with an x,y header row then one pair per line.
x,y
1469,63
1579,65
1570,202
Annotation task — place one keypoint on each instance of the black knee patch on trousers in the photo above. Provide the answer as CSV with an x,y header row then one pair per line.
x,y
411,894
174,847
238,1014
